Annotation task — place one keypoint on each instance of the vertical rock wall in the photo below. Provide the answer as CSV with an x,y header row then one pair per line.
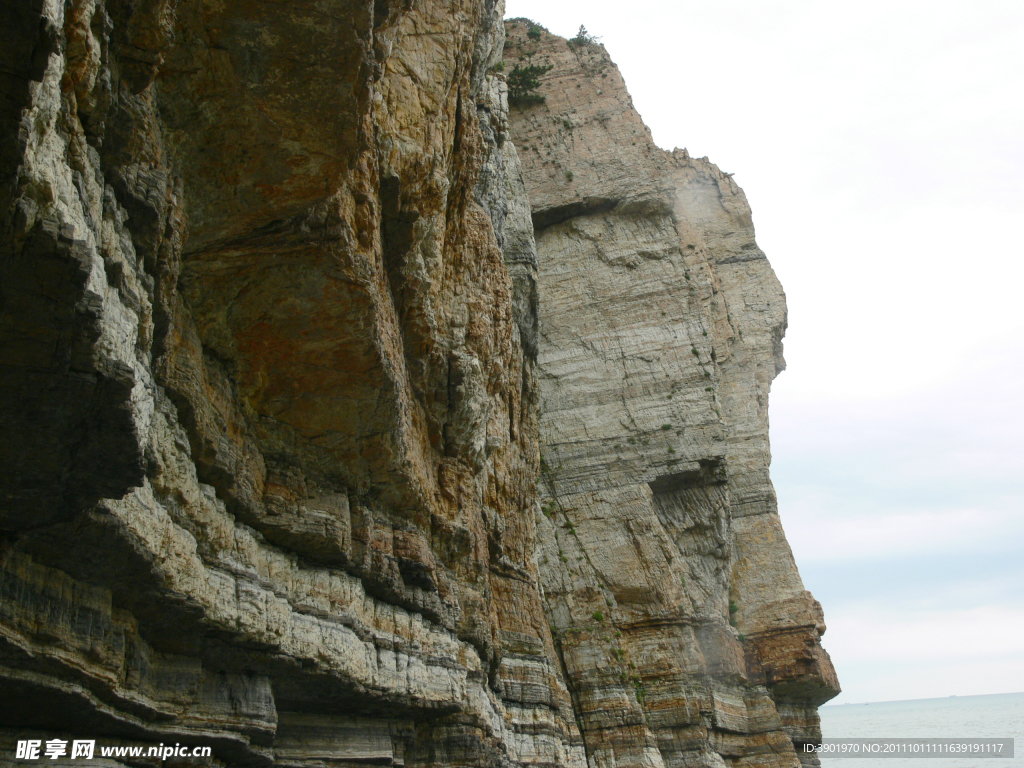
x,y
270,439
685,630
272,354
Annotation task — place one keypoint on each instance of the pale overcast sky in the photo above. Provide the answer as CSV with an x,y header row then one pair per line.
x,y
881,146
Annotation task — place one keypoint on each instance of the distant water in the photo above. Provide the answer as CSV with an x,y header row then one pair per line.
x,y
978,717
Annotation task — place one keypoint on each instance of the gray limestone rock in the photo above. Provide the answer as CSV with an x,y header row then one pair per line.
x,y
672,593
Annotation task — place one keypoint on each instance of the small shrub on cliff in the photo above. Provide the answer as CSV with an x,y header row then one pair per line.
x,y
598,616
523,83
534,32
641,694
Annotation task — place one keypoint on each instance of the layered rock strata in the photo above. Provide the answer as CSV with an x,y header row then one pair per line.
x,y
686,633
269,387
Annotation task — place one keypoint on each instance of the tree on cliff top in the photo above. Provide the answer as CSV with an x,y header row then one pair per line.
x,y
583,37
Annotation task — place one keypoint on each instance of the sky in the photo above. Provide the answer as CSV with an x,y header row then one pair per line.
x,y
881,147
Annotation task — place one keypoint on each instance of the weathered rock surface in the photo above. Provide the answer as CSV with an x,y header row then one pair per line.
x,y
685,630
269,389
270,439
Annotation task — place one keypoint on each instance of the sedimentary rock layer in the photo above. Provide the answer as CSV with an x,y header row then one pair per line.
x,y
273,352
685,630
268,388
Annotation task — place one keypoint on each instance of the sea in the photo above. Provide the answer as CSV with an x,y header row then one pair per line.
x,y
994,716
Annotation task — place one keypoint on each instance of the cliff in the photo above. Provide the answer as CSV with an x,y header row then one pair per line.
x,y
277,362
677,607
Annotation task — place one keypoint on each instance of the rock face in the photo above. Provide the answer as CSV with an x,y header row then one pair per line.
x,y
270,438
686,633
269,391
